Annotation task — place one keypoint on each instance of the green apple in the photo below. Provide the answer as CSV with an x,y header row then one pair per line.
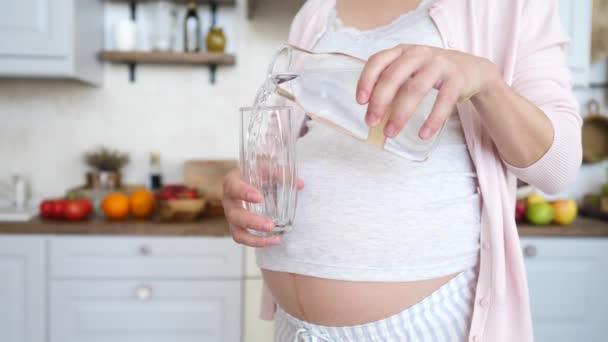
x,y
540,213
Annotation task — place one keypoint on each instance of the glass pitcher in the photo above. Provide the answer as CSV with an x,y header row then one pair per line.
x,y
325,84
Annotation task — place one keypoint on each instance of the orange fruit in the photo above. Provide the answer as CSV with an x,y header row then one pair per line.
x,y
115,206
141,203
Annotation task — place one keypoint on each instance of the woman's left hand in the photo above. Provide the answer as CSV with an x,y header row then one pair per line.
x,y
400,78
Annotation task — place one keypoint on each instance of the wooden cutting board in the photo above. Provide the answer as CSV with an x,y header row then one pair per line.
x,y
208,175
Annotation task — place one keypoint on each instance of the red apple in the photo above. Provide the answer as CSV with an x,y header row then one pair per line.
x,y
520,210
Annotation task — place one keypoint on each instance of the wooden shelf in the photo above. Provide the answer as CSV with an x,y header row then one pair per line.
x,y
156,57
132,58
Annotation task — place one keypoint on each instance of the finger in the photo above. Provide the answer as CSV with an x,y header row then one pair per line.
x,y
444,105
410,96
374,66
242,236
389,83
241,217
236,188
300,184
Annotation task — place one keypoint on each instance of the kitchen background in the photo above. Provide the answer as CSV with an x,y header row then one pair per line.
x,y
48,124
81,284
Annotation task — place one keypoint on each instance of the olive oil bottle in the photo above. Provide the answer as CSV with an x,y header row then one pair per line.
x,y
192,30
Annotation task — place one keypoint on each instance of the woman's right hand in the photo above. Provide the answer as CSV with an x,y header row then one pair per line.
x,y
240,219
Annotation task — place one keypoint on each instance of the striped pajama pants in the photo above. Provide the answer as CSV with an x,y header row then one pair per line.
x,y
444,316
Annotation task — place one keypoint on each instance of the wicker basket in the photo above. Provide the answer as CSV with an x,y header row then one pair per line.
x,y
181,210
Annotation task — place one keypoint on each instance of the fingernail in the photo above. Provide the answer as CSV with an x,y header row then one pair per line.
x,y
362,96
373,120
425,133
251,196
390,130
275,240
269,226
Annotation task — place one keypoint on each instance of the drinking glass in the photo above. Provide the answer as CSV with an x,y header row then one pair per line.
x,y
268,163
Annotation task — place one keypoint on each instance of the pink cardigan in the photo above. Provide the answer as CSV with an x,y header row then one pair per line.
x,y
524,38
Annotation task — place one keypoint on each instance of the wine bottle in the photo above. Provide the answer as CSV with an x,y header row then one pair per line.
x,y
192,30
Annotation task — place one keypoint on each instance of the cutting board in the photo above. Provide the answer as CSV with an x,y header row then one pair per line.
x,y
208,175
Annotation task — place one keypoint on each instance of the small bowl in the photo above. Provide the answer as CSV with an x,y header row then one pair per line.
x,y
181,210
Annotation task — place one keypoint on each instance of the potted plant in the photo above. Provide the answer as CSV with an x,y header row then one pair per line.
x,y
106,164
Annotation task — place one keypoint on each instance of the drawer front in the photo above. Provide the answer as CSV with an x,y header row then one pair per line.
x,y
149,257
567,280
152,311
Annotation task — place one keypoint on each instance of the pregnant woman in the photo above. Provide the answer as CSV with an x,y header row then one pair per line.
x,y
384,249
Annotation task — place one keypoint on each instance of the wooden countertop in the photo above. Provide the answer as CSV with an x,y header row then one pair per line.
x,y
582,227
100,226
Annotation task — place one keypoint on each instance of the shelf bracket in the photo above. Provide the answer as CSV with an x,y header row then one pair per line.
x,y
133,10
212,73
132,72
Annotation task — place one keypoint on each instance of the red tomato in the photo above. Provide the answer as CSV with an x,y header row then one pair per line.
x,y
75,210
87,205
46,209
191,194
58,207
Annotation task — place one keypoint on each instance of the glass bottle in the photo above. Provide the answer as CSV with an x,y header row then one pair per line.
x,y
156,177
192,30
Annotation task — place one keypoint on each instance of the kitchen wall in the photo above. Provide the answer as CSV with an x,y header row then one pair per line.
x,y
47,125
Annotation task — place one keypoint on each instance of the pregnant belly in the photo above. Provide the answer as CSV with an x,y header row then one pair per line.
x,y
344,303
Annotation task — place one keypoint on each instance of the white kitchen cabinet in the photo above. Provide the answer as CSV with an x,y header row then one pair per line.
x,y
568,280
576,18
150,311
152,289
148,257
22,289
255,329
51,39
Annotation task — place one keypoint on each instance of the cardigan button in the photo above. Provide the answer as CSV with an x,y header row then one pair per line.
x,y
475,338
485,245
483,302
451,44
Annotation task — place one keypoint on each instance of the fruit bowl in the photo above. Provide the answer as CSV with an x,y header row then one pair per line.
x,y
181,210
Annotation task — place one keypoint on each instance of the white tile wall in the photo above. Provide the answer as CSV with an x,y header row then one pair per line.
x,y
47,125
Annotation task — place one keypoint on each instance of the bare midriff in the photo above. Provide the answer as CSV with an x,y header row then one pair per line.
x,y
331,302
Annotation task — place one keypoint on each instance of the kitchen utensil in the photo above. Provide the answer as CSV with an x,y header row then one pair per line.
x,y
595,135
268,163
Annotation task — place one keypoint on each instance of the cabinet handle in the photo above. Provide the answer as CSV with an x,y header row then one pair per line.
x,y
144,250
530,251
143,293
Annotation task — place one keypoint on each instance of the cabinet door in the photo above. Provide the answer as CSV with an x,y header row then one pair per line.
x,y
576,18
255,329
35,27
568,288
22,289
145,311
